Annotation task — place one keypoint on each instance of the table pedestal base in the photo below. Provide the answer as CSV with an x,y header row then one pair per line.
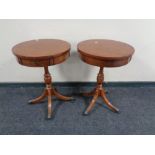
x,y
99,92
49,92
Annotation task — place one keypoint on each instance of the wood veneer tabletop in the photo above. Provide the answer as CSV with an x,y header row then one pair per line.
x,y
41,48
105,49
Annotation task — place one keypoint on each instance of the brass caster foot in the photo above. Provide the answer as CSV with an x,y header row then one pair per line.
x,y
116,110
30,102
72,99
48,118
85,113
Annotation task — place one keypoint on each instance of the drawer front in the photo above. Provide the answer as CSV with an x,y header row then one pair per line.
x,y
61,58
35,63
105,63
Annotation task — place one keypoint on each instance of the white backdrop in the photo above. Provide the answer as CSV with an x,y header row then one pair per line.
x,y
139,33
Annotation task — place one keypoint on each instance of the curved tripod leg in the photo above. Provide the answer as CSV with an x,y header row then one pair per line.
x,y
89,93
58,95
113,108
38,99
92,103
49,103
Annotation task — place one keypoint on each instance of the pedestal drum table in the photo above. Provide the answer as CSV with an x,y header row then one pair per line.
x,y
103,53
43,53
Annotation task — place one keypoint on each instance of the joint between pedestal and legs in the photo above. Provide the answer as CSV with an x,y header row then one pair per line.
x,y
49,91
99,91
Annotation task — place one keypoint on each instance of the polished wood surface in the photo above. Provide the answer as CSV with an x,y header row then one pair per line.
x,y
103,53
99,91
107,53
43,53
48,92
41,48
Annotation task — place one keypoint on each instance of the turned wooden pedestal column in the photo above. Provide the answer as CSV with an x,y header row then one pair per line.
x,y
43,53
99,91
49,92
103,53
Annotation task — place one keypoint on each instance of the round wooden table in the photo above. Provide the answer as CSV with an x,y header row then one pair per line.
x,y
103,53
43,53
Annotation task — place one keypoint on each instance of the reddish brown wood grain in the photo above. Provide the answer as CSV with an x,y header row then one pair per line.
x,y
107,53
103,53
43,53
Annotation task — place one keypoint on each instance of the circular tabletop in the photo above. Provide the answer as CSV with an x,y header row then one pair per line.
x,y
41,52
41,48
104,51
